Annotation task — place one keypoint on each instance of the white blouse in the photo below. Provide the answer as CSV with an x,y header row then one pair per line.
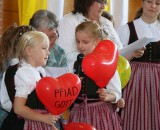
x,y
4,97
26,79
142,29
114,86
67,27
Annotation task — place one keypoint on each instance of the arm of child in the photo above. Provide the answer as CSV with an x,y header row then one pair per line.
x,y
112,93
25,82
105,96
121,103
22,110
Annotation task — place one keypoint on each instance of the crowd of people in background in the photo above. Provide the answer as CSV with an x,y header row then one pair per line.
x,y
28,53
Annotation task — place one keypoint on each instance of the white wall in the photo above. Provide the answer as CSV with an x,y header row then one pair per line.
x,y
56,6
119,10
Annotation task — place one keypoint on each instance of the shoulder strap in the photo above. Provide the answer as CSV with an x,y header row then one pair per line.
x,y
133,35
41,75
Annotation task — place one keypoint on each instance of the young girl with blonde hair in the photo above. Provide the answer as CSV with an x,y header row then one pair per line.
x,y
28,112
94,105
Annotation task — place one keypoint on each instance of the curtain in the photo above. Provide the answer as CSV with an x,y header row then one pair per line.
x,y
119,10
56,6
27,8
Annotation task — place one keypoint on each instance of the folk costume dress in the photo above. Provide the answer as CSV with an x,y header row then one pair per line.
x,y
24,81
89,109
142,93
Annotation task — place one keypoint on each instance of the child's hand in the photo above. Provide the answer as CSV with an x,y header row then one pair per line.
x,y
50,119
102,94
121,103
136,54
139,53
105,96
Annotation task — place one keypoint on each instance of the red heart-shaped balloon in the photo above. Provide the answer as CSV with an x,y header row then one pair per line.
x,y
101,64
79,126
57,94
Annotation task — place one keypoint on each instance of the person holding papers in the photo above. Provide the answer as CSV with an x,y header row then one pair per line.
x,y
142,93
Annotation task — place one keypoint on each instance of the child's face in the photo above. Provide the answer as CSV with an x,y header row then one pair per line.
x,y
38,54
85,43
151,8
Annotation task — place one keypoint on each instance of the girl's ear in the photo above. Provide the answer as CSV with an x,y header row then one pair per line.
x,y
28,51
98,40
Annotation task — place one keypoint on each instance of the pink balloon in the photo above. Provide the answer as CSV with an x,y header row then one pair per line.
x,y
79,126
101,64
57,94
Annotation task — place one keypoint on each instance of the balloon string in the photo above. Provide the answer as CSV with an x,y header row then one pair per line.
x,y
85,99
61,125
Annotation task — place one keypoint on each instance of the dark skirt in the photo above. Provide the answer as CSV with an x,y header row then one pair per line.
x,y
11,122
3,115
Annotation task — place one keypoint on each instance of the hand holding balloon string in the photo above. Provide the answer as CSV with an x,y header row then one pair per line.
x,y
57,99
50,119
104,95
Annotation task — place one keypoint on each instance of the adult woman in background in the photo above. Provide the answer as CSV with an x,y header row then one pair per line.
x,y
84,10
107,15
142,94
47,22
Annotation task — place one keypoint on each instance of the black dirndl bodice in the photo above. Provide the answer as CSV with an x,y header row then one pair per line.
x,y
151,54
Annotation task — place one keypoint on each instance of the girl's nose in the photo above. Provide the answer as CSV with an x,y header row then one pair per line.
x,y
80,46
153,4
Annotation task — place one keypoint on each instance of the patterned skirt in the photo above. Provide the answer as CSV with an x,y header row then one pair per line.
x,y
14,122
101,115
142,97
36,125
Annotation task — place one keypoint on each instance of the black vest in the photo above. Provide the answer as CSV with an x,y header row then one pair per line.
x,y
152,52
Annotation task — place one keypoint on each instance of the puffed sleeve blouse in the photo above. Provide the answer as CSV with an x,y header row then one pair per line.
x,y
26,79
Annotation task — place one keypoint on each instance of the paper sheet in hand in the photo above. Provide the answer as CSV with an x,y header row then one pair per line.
x,y
136,45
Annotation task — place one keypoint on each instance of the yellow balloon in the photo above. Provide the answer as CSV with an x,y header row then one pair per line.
x,y
124,70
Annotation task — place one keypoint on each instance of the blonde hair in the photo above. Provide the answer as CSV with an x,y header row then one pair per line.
x,y
91,28
30,39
